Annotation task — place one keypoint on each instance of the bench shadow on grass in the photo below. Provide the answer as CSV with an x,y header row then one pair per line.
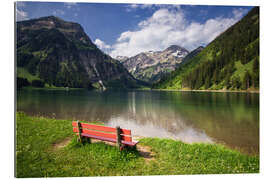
x,y
139,150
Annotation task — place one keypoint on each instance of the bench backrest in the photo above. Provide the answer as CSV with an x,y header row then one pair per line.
x,y
102,131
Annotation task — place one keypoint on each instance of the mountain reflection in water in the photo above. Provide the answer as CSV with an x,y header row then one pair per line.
x,y
228,118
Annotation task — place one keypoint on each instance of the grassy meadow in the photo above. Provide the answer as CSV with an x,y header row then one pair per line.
x,y
48,148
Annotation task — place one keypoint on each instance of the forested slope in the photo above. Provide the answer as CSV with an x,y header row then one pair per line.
x,y
229,62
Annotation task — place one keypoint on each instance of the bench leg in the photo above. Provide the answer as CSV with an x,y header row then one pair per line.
x,y
134,147
86,140
123,146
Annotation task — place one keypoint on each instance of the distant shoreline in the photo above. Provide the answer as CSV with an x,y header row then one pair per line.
x,y
148,89
223,91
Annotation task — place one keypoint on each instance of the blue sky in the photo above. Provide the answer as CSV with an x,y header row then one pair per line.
x,y
128,29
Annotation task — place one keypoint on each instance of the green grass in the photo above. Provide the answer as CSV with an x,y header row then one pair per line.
x,y
143,88
23,73
36,157
41,55
241,69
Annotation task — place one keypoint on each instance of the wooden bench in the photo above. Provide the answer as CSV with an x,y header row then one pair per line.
x,y
122,137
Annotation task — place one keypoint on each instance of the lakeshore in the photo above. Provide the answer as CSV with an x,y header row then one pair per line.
x,y
207,90
48,148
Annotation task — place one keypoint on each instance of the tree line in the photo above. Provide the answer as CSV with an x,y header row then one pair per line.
x,y
215,66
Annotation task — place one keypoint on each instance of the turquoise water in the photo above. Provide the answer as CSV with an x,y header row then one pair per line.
x,y
231,119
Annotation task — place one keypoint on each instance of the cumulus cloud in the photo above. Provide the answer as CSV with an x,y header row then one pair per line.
x,y
102,45
238,13
170,26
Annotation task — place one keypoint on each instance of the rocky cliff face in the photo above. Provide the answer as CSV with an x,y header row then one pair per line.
x,y
121,58
152,65
61,54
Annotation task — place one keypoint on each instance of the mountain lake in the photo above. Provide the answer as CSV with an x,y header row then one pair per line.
x,y
227,118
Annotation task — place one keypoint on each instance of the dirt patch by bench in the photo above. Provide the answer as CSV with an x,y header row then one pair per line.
x,y
144,151
62,143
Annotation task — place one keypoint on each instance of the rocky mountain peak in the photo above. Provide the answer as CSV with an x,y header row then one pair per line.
x,y
121,58
199,48
175,48
192,54
73,31
149,66
49,22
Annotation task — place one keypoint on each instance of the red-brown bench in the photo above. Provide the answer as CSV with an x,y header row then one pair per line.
x,y
122,137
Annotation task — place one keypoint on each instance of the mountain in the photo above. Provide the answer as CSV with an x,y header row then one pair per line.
x,y
230,62
192,54
121,58
59,53
152,65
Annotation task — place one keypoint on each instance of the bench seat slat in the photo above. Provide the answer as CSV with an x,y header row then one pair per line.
x,y
95,127
101,128
96,133
108,135
99,137
109,139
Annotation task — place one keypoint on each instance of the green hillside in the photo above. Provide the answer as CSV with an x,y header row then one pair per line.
x,y
23,73
230,62
54,52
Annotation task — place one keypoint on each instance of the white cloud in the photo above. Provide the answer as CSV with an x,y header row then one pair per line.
x,y
238,13
133,7
21,15
169,26
102,45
